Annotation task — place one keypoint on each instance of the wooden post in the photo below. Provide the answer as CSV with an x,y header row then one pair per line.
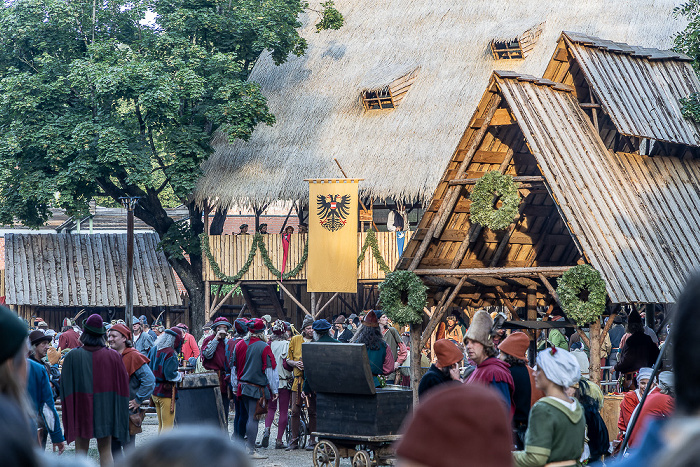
x,y
416,351
594,340
532,305
313,304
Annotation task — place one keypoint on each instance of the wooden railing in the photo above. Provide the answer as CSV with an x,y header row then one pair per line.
x,y
231,253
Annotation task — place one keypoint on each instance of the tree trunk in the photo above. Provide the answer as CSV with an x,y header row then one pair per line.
x,y
415,360
217,224
595,352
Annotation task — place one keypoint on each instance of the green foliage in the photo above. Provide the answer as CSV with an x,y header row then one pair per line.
x,y
577,280
331,18
482,197
402,296
258,244
225,288
371,241
688,42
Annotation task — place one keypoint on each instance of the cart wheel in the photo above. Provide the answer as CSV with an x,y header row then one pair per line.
x,y
326,454
361,459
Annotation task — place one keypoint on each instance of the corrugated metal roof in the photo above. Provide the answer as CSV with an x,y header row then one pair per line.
x,y
86,270
639,88
635,217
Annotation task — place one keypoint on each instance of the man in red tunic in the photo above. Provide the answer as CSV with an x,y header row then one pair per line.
x,y
69,338
658,404
631,400
214,358
190,350
490,370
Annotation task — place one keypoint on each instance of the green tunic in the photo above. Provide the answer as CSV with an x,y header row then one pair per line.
x,y
554,434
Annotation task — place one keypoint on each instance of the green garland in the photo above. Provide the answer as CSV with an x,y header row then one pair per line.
x,y
371,241
390,293
258,243
572,283
482,211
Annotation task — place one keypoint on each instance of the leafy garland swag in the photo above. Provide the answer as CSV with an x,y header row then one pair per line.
x,y
259,243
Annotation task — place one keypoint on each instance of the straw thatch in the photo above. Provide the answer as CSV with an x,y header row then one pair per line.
x,y
400,153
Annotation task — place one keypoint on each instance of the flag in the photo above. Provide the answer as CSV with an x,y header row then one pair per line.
x,y
333,213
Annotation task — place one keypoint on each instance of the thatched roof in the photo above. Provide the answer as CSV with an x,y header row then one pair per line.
x,y
400,153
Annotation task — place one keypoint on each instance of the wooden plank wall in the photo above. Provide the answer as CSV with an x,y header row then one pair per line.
x,y
231,253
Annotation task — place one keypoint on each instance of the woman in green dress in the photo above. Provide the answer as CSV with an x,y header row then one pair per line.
x,y
556,426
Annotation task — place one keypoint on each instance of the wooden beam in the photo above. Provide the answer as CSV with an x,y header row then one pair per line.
x,y
549,287
438,221
226,297
497,272
294,299
440,313
326,305
520,179
508,304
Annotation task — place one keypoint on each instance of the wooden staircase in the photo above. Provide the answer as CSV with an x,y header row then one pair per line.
x,y
263,299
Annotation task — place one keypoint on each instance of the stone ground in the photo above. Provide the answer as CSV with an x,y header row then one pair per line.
x,y
276,458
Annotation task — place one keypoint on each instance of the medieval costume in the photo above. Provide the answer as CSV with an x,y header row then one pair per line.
x,y
492,371
41,395
280,347
141,385
69,338
164,365
556,426
629,403
240,417
340,330
294,355
95,390
214,358
143,342
394,344
258,379
457,425
638,351
447,354
190,349
381,360
658,404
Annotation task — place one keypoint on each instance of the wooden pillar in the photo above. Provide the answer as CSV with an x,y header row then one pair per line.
x,y
532,306
416,351
594,340
313,304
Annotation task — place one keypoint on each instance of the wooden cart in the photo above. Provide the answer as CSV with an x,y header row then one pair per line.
x,y
354,419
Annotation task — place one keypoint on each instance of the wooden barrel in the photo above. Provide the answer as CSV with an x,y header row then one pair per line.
x,y
611,412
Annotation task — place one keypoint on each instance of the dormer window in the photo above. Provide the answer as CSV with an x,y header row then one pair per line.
x,y
389,94
516,48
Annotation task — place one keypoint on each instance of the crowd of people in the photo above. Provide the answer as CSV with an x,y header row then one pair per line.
x,y
479,386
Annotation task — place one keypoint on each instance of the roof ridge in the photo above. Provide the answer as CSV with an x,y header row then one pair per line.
x,y
649,53
505,74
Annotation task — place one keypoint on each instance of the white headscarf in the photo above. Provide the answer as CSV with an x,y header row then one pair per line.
x,y
666,380
644,373
559,366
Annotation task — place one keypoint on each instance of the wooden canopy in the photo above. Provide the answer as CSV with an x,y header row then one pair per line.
x,y
589,193
71,270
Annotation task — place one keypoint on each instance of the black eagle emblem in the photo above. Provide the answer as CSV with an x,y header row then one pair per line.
x,y
333,212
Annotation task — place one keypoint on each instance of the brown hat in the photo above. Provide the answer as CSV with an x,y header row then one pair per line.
x,y
37,336
515,345
370,320
447,352
480,329
455,419
340,320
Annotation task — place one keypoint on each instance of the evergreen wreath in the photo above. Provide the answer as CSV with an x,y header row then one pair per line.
x,y
258,243
482,211
371,242
403,296
582,278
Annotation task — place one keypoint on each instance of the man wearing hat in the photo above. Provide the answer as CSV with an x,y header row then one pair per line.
x,y
512,351
258,378
69,338
141,381
164,366
240,417
243,229
95,393
340,330
481,350
42,396
143,341
659,404
190,350
262,229
456,425
214,358
394,343
445,369
294,360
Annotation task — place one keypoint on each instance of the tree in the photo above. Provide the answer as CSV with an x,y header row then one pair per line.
x,y
688,42
98,102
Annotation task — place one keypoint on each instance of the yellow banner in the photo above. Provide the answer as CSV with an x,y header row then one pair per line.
x,y
332,262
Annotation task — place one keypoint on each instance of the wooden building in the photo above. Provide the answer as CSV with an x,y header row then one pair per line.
x,y
608,172
55,276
